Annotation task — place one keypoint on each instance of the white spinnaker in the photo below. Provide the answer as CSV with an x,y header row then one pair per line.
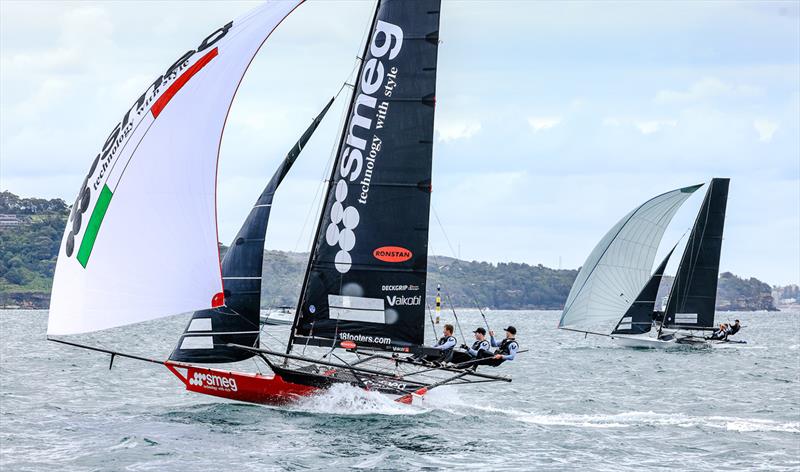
x,y
620,265
145,244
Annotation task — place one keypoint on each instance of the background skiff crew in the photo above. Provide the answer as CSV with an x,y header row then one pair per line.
x,y
733,329
445,345
480,348
506,349
720,333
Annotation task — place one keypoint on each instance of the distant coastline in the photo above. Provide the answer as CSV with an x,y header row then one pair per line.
x,y
31,231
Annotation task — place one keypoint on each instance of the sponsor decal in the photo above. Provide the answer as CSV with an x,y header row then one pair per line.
x,y
213,382
399,288
348,344
359,155
362,338
98,186
399,300
392,254
380,383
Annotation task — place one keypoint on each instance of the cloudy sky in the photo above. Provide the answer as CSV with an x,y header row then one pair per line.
x,y
553,119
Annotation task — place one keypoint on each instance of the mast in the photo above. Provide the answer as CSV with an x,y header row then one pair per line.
x,y
208,333
365,281
692,298
328,192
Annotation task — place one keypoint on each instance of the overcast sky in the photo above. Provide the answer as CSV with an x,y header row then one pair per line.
x,y
553,119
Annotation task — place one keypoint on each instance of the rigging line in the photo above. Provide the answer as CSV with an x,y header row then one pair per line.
x,y
452,308
316,202
333,344
433,325
695,257
665,306
441,226
452,251
676,288
334,146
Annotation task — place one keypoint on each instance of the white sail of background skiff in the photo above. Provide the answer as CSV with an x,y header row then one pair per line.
x,y
620,265
141,241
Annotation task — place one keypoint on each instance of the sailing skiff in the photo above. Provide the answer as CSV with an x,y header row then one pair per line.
x,y
361,310
614,294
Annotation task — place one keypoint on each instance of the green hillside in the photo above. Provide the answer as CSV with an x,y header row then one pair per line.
x,y
31,230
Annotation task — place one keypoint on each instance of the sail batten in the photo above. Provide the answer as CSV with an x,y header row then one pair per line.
x,y
619,266
692,298
367,270
150,194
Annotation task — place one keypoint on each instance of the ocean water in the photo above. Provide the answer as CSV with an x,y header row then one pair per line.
x,y
574,403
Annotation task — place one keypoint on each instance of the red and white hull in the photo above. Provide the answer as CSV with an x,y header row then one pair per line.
x,y
245,387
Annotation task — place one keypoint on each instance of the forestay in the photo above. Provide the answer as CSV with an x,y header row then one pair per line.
x,y
366,278
141,241
209,332
639,317
619,266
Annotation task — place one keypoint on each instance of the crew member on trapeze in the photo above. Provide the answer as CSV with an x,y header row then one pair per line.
x,y
725,330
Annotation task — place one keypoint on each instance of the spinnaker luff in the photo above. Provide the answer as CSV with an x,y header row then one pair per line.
x,y
141,240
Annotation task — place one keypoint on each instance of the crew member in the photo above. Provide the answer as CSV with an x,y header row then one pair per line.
x,y
733,329
444,345
506,349
720,333
480,348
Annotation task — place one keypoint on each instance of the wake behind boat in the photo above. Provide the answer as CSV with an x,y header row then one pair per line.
x,y
361,312
600,300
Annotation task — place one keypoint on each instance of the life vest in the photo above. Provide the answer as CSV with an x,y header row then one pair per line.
x,y
444,340
478,345
505,346
733,329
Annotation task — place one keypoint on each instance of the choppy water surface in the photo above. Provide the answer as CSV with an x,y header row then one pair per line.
x,y
574,403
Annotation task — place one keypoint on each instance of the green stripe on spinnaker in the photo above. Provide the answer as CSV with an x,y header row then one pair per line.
x,y
93,227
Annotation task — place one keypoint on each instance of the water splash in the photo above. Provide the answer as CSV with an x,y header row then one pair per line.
x,y
349,400
650,418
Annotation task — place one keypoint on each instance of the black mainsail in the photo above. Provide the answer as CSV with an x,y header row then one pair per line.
x,y
694,291
206,337
638,319
365,282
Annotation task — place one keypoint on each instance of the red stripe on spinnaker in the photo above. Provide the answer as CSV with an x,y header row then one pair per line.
x,y
173,89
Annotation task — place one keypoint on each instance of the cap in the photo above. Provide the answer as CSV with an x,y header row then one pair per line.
x,y
512,330
480,330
